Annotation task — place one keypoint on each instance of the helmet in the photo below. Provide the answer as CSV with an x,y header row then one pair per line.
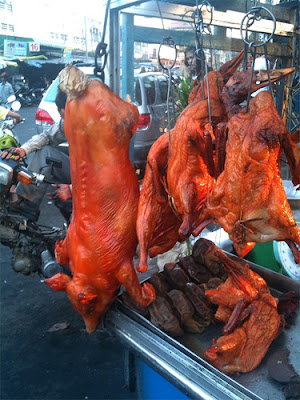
x,y
4,75
7,141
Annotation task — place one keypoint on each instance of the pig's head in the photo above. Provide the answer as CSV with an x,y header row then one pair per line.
x,y
86,300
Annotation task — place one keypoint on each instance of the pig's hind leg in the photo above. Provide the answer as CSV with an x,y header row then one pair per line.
x,y
143,295
61,252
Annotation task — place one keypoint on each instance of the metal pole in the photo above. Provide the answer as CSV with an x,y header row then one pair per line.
x,y
86,45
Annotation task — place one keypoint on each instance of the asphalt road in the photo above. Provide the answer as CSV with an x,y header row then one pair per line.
x,y
63,364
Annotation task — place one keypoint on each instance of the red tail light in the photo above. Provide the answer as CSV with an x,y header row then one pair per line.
x,y
144,121
43,118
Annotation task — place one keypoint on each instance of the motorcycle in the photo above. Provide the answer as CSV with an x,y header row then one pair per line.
x,y
32,244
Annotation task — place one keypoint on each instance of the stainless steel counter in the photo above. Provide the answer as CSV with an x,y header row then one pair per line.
x,y
181,361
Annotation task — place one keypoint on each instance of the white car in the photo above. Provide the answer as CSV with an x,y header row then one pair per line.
x,y
47,113
150,96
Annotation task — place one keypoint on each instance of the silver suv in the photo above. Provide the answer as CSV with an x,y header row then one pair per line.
x,y
150,96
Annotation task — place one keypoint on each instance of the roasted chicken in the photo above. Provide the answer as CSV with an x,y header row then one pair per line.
x,y
101,239
244,348
250,313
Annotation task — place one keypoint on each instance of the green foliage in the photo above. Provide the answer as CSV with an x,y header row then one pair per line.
x,y
182,94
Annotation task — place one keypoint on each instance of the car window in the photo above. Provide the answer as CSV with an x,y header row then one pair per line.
x,y
138,93
149,84
51,93
163,88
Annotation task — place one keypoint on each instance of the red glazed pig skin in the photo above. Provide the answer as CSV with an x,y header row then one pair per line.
x,y
101,239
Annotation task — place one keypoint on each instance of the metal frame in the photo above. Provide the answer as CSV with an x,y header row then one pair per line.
x,y
181,10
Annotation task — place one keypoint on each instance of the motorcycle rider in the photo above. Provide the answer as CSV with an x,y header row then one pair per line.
x,y
6,89
5,112
44,145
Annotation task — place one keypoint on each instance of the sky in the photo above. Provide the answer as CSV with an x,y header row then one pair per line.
x,y
39,16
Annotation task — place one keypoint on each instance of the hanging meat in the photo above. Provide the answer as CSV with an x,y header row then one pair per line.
x,y
191,169
157,223
292,151
101,239
216,80
252,321
248,199
162,221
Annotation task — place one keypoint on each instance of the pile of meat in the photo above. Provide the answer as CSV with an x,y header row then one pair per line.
x,y
209,287
181,304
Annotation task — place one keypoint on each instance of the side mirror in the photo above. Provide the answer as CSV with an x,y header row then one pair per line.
x,y
16,105
11,98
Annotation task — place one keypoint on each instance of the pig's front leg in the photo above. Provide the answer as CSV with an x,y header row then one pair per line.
x,y
142,295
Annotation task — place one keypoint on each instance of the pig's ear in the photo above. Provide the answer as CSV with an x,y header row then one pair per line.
x,y
87,298
58,282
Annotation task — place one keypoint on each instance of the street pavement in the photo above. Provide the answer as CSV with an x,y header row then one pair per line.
x,y
62,364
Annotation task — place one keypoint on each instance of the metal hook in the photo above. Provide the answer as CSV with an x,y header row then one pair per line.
x,y
168,41
255,15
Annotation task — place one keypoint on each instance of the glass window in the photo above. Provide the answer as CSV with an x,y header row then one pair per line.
x,y
149,84
163,88
51,94
137,93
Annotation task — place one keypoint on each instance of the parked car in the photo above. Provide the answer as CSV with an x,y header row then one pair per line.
x,y
47,113
150,96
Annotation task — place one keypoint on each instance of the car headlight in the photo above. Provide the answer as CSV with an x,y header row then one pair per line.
x,y
6,173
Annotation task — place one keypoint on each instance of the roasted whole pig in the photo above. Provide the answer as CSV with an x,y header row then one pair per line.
x,y
252,322
101,239
248,199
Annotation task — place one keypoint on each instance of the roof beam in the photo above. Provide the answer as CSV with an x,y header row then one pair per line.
x,y
229,19
154,35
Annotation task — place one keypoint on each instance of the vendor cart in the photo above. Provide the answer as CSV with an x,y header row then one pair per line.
x,y
161,367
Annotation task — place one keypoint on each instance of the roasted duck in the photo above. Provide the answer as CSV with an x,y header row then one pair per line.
x,y
252,319
191,168
171,200
248,199
216,80
157,223
291,149
101,239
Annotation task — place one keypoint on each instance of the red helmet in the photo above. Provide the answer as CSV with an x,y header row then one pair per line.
x,y
4,75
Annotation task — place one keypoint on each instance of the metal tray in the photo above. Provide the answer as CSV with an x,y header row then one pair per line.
x,y
189,349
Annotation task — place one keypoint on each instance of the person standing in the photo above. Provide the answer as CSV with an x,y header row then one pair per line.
x,y
44,145
6,89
